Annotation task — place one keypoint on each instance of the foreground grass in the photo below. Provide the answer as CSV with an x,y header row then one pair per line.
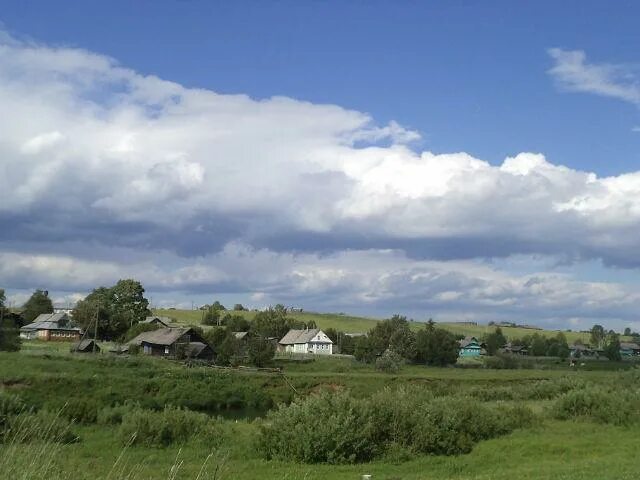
x,y
558,450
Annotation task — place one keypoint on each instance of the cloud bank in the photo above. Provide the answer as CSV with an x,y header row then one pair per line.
x,y
105,172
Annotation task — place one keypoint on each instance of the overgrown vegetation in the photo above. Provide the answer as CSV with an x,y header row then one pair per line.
x,y
337,428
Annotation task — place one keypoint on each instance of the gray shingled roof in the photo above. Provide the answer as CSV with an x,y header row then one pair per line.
x,y
51,321
195,348
300,336
162,336
164,320
629,346
83,344
240,335
468,340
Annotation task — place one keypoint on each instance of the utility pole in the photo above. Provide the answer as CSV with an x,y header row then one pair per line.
x,y
95,329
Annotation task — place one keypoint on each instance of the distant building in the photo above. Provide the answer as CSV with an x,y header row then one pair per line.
x,y
470,347
174,342
629,349
516,349
51,326
160,321
311,340
85,346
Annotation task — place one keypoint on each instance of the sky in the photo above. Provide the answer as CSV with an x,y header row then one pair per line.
x,y
460,161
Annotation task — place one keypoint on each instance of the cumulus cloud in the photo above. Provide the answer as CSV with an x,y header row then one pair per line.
x,y
572,72
279,198
384,281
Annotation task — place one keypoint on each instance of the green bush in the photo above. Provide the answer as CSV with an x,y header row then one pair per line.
x,y
114,415
389,362
599,404
324,428
336,428
170,426
80,410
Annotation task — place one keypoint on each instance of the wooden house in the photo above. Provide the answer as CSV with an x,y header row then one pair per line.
x,y
470,347
310,340
174,342
51,326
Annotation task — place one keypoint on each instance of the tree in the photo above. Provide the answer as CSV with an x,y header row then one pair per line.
x,y
128,304
212,316
389,362
273,322
612,347
236,323
238,307
558,346
395,334
494,341
38,303
3,298
116,309
260,351
627,332
436,346
228,349
9,334
364,350
538,346
218,306
597,336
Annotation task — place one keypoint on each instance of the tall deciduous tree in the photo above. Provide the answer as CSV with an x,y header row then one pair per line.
x,y
116,309
597,336
494,341
38,303
435,346
612,347
260,351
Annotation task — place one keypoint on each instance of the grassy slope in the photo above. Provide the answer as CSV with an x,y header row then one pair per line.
x,y
347,323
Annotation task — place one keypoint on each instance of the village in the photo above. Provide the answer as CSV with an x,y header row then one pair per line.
x,y
166,338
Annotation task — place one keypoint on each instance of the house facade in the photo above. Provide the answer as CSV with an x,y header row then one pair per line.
x,y
174,342
51,327
311,340
470,347
629,349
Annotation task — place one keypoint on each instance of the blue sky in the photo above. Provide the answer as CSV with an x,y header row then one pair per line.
x,y
470,76
395,197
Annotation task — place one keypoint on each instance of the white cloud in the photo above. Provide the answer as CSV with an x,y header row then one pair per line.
x,y
574,73
373,280
201,190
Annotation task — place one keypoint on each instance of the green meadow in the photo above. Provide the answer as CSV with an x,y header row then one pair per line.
x,y
578,424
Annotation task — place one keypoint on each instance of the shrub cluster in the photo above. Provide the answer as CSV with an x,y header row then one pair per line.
x,y
337,428
172,425
599,404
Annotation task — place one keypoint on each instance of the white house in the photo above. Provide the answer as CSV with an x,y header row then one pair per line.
x,y
311,340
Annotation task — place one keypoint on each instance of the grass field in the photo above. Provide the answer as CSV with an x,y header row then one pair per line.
x,y
352,324
46,376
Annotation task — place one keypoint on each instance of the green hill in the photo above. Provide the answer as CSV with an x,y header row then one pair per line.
x,y
351,324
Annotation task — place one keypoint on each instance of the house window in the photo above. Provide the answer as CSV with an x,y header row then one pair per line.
x,y
166,350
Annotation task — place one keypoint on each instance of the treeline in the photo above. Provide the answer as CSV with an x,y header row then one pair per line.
x,y
392,342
